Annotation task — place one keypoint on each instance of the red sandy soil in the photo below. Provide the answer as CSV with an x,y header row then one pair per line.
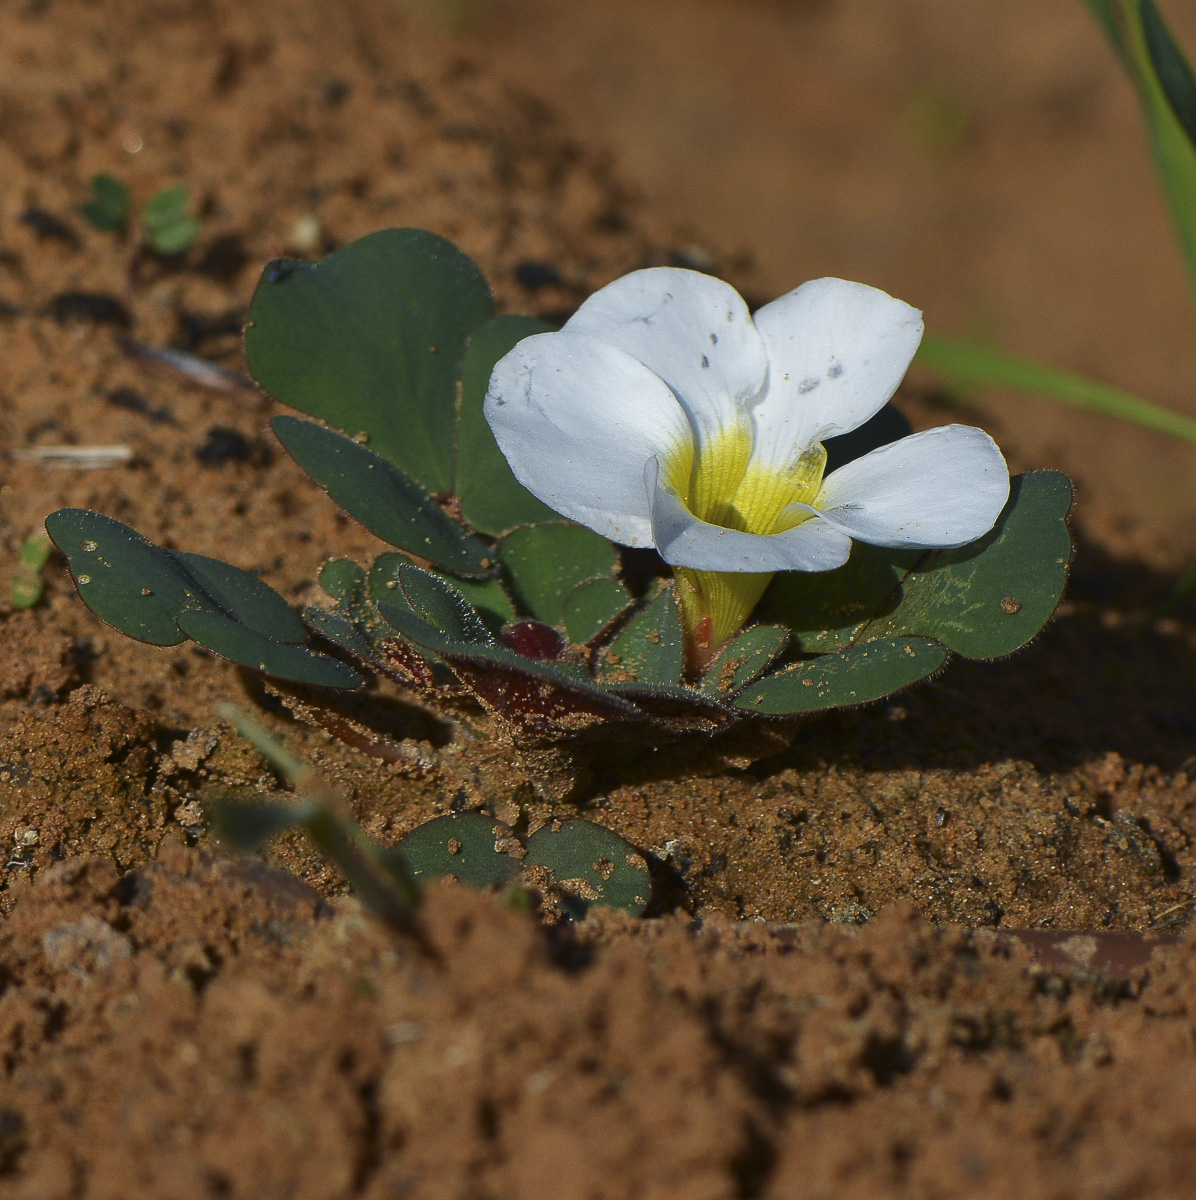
x,y
825,999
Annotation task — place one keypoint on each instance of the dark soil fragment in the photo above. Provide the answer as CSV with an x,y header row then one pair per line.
x,y
47,226
223,445
94,308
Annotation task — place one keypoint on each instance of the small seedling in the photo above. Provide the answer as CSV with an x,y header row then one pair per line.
x,y
168,226
490,593
576,865
110,205
27,582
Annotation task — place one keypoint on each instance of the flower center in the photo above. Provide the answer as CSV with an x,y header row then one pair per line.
x,y
720,488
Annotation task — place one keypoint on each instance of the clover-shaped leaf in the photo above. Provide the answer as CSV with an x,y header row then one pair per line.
x,y
469,847
650,649
487,596
109,206
164,597
168,225
546,562
583,865
593,606
744,658
371,340
857,675
983,600
987,599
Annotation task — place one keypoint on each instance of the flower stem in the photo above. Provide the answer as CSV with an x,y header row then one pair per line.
x,y
714,606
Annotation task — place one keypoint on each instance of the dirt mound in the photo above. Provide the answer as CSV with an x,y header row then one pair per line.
x,y
208,1027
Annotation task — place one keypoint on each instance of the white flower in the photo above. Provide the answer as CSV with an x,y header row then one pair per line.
x,y
663,415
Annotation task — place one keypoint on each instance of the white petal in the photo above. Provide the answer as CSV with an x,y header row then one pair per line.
x,y
940,488
837,352
684,541
578,419
692,330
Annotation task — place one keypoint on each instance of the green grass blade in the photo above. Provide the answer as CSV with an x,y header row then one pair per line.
x,y
1174,153
1172,68
1105,13
1167,88
962,362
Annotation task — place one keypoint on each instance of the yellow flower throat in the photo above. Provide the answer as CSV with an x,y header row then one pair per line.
x,y
718,487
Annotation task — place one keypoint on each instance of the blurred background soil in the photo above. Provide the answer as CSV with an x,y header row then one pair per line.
x,y
825,999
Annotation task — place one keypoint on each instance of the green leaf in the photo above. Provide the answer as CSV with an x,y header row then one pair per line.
x,y
25,590
375,492
341,576
744,658
1105,14
1171,68
349,585
340,631
244,597
355,625
27,583
284,660
436,601
986,599
651,648
963,363
855,676
124,579
371,340
593,606
168,226
163,597
35,553
492,499
109,206
486,595
826,610
165,207
546,562
469,847
1164,82
249,826
983,600
491,601
587,866
176,237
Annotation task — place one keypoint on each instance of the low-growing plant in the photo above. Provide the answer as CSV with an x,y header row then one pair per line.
x,y
662,415
573,865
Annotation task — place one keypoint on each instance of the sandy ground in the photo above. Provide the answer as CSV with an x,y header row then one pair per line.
x,y
829,995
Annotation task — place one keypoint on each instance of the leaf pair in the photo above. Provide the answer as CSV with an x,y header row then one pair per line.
x,y
169,227
576,863
165,597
